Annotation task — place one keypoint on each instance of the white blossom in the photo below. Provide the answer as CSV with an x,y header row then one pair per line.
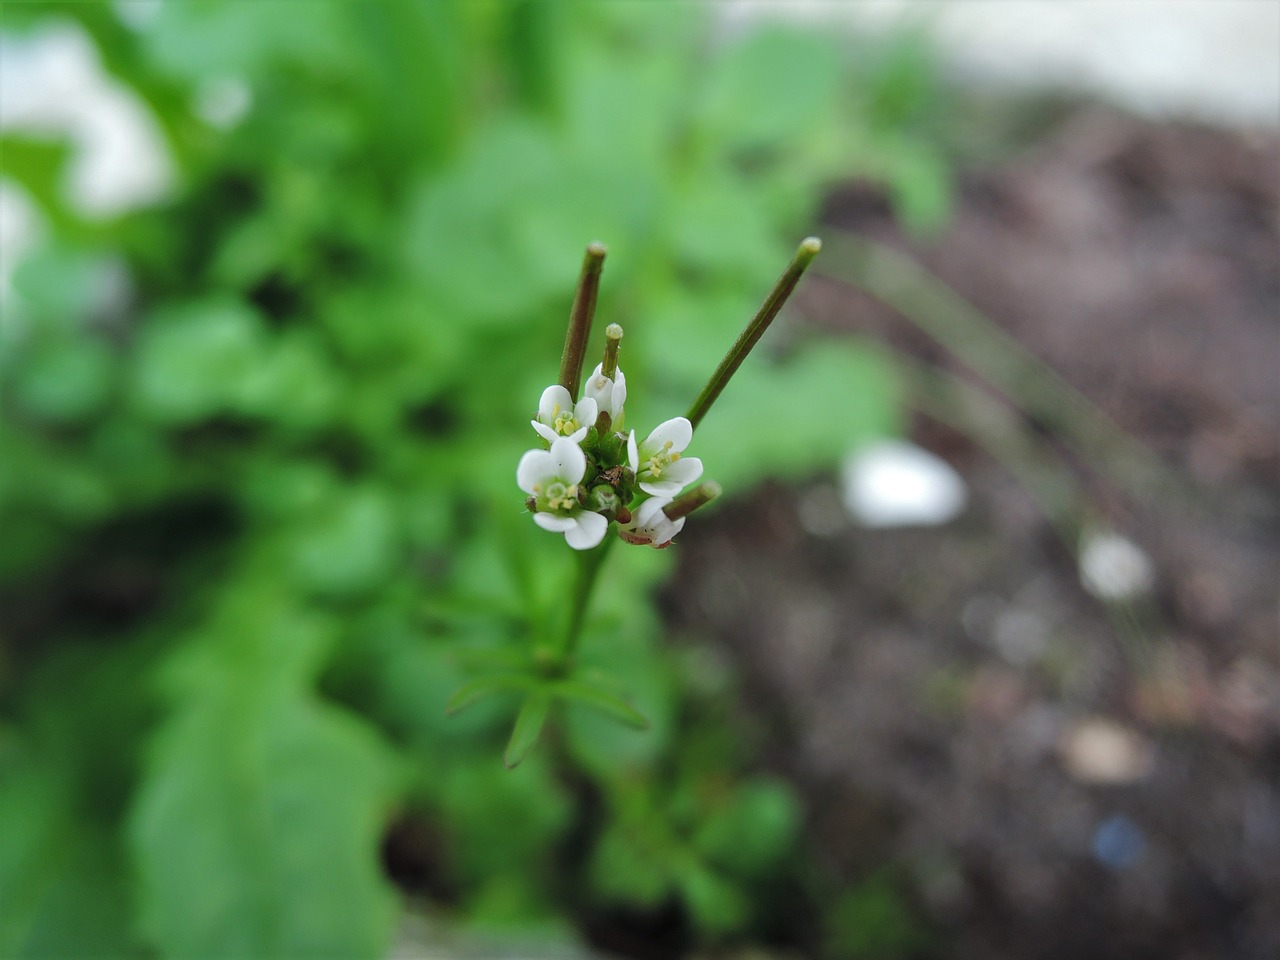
x,y
608,393
650,524
559,416
552,477
658,464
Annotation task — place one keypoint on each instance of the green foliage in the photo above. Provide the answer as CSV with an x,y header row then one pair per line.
x,y
872,921
257,495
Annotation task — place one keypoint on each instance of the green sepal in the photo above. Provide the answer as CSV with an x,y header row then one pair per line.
x,y
481,687
607,703
528,727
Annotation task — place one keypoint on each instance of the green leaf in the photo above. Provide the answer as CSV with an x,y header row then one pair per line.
x,y
482,687
194,360
529,723
256,830
774,87
601,700
66,768
62,876
67,381
753,830
717,906
349,546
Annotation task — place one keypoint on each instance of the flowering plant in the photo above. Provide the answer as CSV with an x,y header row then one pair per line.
x,y
588,476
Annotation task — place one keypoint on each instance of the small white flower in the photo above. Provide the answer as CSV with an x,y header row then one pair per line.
x,y
552,477
609,394
559,416
658,464
650,524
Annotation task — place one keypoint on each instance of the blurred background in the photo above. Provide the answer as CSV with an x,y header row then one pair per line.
x,y
979,657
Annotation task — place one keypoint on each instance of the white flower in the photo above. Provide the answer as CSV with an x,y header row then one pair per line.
x,y
657,463
552,477
609,394
650,524
559,416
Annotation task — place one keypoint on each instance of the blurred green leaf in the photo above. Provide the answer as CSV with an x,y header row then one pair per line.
x,y
717,905
500,821
806,412
773,87
245,778
348,544
601,700
527,729
62,877
66,766
66,381
476,690
749,835
195,360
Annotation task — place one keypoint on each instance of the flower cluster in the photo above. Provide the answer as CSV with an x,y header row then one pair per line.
x,y
592,473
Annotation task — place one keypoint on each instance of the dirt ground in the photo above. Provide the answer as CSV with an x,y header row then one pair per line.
x,y
1049,775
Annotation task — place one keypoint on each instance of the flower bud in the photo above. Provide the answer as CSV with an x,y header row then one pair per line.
x,y
604,500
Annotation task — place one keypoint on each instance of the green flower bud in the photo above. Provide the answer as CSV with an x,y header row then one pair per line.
x,y
604,500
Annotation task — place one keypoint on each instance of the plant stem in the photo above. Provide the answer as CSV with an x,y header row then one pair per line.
x,y
686,503
612,340
589,564
580,317
805,253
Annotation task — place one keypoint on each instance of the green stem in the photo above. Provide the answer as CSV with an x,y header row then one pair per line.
x,y
612,340
589,564
807,250
580,317
609,368
686,503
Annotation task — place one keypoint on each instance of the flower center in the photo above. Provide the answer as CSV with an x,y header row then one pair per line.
x,y
560,497
659,461
563,422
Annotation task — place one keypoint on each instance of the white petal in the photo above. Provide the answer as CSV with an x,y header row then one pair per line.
x,y
678,431
598,387
587,532
661,488
586,411
684,471
535,467
647,511
552,397
619,393
569,463
578,435
633,455
545,432
554,522
667,531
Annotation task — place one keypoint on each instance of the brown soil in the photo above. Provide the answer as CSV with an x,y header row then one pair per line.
x,y
929,686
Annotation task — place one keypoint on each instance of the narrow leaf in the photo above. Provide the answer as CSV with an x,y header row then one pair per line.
x,y
528,728
482,687
603,701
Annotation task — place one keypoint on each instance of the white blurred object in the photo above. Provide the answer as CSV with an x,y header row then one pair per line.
x,y
1214,60
222,102
52,84
1114,568
896,484
137,14
1098,750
